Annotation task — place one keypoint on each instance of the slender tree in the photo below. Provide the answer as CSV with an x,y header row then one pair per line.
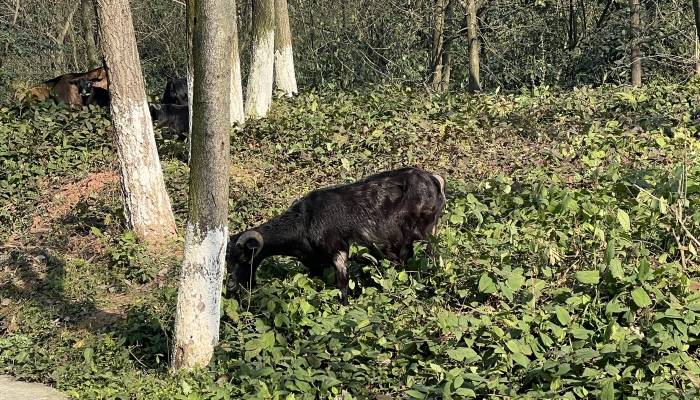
x,y
59,61
86,7
696,11
573,26
259,89
437,46
206,235
285,79
237,115
474,46
146,202
635,49
190,16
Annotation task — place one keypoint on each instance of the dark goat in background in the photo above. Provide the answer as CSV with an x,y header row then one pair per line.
x,y
175,92
173,119
385,212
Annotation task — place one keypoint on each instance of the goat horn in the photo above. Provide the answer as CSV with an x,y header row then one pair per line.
x,y
245,236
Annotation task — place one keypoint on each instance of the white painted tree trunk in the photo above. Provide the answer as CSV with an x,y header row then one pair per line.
x,y
237,113
199,296
285,79
146,202
204,262
259,88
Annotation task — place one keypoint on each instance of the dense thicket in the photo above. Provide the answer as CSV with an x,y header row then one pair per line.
x,y
524,42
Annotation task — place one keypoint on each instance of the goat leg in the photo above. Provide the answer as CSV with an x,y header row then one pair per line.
x,y
341,274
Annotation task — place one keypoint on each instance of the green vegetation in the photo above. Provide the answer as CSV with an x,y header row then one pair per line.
x,y
566,266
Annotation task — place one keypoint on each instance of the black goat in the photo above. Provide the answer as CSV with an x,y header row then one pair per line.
x,y
173,119
175,92
385,212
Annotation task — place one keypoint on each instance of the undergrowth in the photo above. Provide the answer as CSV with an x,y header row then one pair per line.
x,y
566,265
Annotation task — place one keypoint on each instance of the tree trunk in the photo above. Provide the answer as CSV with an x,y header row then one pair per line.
x,y
259,90
146,203
446,68
199,295
93,59
696,11
635,50
474,46
285,78
584,18
190,7
74,50
573,26
236,91
437,45
697,56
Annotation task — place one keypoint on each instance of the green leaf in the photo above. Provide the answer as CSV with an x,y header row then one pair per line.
x,y
267,340
607,391
186,388
465,392
486,284
588,277
462,353
562,315
624,219
305,306
513,346
415,394
641,298
231,309
644,270
253,345
616,269
520,359
362,324
515,281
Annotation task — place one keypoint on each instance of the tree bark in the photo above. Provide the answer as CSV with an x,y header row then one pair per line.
x,y
259,89
237,114
285,79
584,18
697,56
635,49
201,278
474,46
74,50
446,68
190,7
92,58
437,45
696,11
146,202
573,25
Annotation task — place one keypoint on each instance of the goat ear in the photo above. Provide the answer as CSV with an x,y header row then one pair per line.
x,y
253,244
